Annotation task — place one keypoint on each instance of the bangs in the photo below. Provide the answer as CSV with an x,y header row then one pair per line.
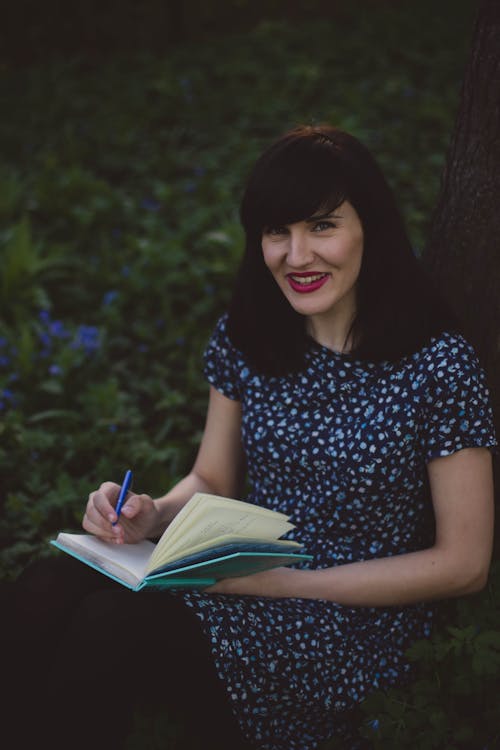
x,y
291,183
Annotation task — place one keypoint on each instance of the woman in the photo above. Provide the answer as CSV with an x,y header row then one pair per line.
x,y
343,392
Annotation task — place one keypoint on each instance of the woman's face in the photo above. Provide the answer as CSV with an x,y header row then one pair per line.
x,y
316,263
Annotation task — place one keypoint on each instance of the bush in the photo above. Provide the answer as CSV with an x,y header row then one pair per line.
x,y
452,704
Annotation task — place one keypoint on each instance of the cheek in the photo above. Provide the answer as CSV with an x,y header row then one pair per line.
x,y
271,257
353,258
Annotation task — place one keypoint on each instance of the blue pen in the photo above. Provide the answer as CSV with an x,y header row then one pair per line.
x,y
123,494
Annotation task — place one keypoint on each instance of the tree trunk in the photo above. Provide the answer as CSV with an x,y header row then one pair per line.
x,y
463,252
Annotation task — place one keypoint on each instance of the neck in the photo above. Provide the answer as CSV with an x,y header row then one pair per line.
x,y
332,331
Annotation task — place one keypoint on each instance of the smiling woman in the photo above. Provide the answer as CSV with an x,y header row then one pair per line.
x,y
316,264
322,185
342,391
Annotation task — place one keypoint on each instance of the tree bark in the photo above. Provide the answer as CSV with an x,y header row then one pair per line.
x,y
463,251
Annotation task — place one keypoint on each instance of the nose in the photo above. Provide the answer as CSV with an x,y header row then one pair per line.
x,y
299,252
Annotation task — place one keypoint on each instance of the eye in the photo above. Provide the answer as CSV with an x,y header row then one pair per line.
x,y
323,226
275,231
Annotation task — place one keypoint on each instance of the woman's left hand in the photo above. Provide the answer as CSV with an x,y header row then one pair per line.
x,y
277,582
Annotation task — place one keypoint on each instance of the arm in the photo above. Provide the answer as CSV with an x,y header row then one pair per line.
x,y
219,466
218,469
458,562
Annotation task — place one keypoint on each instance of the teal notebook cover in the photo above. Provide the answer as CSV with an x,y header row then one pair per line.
x,y
201,574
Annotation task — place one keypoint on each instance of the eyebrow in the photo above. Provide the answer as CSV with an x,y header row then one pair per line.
x,y
327,215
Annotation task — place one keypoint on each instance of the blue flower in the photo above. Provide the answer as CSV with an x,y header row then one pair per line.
x,y
55,370
109,297
374,724
4,361
8,399
58,330
45,339
86,337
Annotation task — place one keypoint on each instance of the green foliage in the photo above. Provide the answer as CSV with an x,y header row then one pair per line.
x,y
452,702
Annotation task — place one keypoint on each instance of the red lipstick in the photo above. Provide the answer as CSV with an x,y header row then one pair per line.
x,y
312,281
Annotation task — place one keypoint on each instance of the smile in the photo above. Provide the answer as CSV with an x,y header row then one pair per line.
x,y
305,283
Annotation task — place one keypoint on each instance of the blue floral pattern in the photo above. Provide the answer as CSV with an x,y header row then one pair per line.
x,y
342,448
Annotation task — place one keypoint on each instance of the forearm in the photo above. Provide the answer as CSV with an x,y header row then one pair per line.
x,y
169,505
404,579
425,575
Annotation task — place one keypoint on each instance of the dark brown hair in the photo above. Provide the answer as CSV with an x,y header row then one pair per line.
x,y
317,168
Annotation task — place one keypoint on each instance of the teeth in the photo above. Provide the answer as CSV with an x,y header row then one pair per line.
x,y
307,279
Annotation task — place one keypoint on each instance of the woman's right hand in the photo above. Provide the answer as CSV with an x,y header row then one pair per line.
x,y
139,517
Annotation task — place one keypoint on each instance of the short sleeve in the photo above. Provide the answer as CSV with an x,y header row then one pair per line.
x,y
222,363
457,411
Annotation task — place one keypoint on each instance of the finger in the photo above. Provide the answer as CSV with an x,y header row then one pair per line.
x,y
134,504
103,529
100,513
104,499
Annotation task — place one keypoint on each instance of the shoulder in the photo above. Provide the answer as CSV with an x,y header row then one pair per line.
x,y
450,389
444,367
447,354
448,368
219,343
225,366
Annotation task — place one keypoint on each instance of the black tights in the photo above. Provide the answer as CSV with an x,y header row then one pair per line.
x,y
81,653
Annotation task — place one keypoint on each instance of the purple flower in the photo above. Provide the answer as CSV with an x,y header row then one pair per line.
x,y
55,370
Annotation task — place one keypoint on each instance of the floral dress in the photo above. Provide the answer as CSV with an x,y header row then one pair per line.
x,y
342,448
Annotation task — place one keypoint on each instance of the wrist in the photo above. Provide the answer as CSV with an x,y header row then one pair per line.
x,y
166,510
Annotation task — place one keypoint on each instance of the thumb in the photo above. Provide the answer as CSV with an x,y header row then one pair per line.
x,y
134,504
